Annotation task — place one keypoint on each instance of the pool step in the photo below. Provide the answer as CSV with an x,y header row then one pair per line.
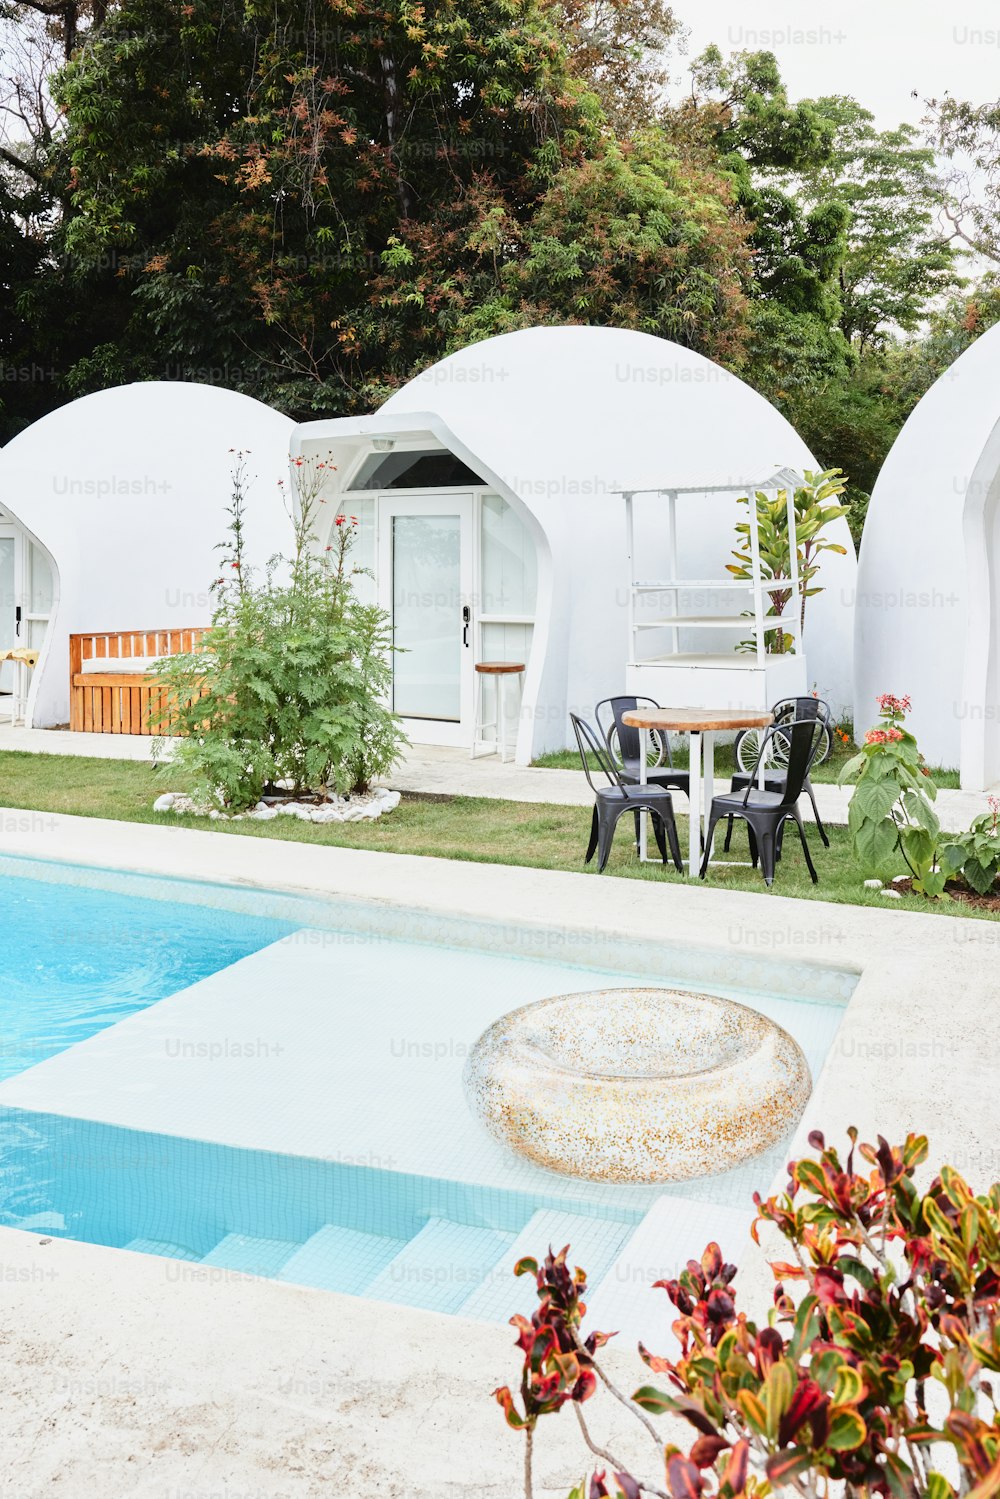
x,y
440,1265
250,1255
161,1246
594,1243
340,1259
673,1231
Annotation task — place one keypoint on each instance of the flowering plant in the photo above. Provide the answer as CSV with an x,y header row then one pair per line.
x,y
891,807
287,688
871,1380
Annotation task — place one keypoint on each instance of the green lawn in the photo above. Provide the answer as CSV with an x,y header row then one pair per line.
x,y
479,830
725,763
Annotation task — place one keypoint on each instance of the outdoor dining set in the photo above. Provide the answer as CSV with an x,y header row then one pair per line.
x,y
628,762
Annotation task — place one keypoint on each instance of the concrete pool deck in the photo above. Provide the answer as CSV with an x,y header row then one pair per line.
x,y
129,1375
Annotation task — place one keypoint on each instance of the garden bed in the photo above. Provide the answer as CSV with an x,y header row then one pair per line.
x,y
957,890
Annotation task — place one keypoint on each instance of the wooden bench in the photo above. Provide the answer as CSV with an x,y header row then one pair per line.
x,y
112,686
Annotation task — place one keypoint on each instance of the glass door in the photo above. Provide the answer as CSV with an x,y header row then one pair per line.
x,y
8,607
425,574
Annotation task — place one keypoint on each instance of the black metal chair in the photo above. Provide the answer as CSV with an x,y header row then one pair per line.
x,y
786,710
628,740
618,796
765,812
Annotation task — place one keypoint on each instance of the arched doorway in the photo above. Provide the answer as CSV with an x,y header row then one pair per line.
x,y
979,706
27,601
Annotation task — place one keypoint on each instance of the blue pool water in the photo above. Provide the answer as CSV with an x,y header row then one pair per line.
x,y
441,1245
370,1031
74,960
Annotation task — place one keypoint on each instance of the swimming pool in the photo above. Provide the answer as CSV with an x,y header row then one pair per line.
x,y
282,1095
75,959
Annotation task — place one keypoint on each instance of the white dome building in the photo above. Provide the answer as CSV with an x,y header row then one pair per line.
x,y
927,617
488,495
110,510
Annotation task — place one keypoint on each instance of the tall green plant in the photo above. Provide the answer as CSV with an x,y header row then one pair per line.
x,y
286,690
812,515
891,806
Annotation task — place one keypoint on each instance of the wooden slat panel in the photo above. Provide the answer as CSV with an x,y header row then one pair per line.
x,y
122,702
75,696
113,679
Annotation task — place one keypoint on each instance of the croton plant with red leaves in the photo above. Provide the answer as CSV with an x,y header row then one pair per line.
x,y
870,1375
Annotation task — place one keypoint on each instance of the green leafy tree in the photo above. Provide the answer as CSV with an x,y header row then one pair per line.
x,y
632,238
896,262
967,138
739,117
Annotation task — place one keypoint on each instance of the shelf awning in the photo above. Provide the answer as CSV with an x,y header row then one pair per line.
x,y
781,478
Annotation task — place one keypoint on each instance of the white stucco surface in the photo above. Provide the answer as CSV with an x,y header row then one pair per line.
x,y
926,619
558,419
126,491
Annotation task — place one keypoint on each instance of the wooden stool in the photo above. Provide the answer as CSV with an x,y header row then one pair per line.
x,y
502,671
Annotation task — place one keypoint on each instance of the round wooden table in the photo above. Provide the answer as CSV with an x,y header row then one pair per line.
x,y
701,725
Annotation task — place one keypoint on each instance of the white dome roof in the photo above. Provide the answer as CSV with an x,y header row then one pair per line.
x,y
923,615
551,409
126,490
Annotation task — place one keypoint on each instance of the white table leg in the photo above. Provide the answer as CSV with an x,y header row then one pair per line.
x,y
708,782
644,816
694,804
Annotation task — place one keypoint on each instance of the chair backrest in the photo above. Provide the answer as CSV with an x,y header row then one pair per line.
x,y
791,709
629,738
800,740
588,743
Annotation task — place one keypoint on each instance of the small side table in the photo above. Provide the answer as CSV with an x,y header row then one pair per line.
x,y
502,672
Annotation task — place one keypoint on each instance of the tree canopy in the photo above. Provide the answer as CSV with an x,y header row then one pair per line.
x,y
312,203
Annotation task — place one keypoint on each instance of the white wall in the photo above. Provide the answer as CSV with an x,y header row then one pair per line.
x,y
925,619
126,490
562,417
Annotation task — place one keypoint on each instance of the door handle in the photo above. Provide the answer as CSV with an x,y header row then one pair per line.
x,y
17,620
466,621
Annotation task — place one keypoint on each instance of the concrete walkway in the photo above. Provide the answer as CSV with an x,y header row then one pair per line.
x,y
64,742
450,772
435,771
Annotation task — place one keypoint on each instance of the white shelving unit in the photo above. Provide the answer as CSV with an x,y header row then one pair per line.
x,y
714,676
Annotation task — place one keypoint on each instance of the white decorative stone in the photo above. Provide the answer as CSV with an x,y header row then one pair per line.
x,y
337,809
637,1085
873,884
892,895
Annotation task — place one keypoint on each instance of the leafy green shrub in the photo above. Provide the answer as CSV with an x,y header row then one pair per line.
x,y
975,855
891,806
286,691
812,516
866,1380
